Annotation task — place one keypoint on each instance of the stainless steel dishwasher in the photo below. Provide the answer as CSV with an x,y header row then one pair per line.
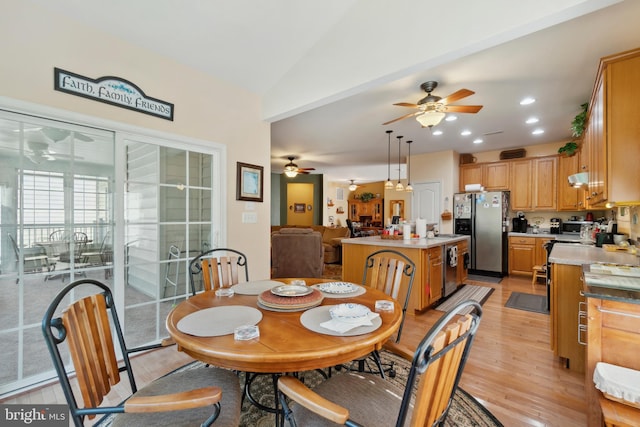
x,y
450,267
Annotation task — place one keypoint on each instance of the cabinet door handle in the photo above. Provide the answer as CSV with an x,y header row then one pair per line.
x,y
582,327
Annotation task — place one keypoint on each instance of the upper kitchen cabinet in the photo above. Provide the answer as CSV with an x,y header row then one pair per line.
x,y
493,176
613,134
569,198
533,184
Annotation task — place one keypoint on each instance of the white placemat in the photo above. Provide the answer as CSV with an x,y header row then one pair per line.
x,y
255,287
311,319
360,290
216,321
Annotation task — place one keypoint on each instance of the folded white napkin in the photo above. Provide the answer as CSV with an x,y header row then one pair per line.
x,y
341,327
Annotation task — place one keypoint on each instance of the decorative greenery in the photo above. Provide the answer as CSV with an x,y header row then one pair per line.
x,y
569,148
578,123
365,197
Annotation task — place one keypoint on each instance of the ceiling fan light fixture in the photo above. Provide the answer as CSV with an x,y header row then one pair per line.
x,y
352,187
290,172
430,118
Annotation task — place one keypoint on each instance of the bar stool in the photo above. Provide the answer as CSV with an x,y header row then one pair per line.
x,y
539,271
620,399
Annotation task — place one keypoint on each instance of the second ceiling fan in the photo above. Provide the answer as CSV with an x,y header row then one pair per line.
x,y
432,108
291,169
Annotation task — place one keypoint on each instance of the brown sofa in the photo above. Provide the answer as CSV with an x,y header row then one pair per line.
x,y
331,238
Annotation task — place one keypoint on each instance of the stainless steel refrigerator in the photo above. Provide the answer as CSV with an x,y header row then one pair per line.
x,y
484,217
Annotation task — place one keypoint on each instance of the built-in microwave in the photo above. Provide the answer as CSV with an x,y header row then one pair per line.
x,y
573,227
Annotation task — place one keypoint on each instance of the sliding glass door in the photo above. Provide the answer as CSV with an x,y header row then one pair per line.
x,y
80,202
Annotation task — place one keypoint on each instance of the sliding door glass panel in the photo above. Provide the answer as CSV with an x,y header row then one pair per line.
x,y
168,221
56,184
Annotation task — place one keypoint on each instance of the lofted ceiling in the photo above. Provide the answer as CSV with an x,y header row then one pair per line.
x,y
330,71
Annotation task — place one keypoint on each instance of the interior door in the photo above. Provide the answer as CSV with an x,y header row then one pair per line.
x,y
426,202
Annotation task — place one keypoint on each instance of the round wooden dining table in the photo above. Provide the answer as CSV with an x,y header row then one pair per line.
x,y
284,344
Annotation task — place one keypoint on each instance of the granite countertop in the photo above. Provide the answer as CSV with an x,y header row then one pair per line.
x,y
400,243
621,286
573,254
585,255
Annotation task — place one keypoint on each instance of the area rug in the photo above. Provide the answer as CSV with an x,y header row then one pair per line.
x,y
486,279
474,292
528,302
465,410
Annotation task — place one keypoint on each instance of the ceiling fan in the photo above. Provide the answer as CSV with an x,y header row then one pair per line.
x,y
291,169
432,108
353,186
39,151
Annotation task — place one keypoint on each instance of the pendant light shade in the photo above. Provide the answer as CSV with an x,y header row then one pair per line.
x,y
399,186
409,188
388,185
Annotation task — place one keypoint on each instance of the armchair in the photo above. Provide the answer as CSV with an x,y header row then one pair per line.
x,y
296,252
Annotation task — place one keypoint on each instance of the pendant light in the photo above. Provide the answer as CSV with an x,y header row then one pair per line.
x,y
409,188
388,185
399,186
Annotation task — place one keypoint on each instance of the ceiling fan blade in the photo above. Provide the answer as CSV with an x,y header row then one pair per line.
x,y
402,117
407,104
456,96
303,172
306,169
463,108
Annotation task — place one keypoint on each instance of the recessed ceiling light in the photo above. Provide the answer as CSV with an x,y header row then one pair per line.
x,y
538,132
527,101
436,132
451,118
478,141
465,133
532,120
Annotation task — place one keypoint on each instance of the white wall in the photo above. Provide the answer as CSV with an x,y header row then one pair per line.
x,y
34,42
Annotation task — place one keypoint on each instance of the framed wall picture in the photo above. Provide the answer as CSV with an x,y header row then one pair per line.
x,y
299,207
249,180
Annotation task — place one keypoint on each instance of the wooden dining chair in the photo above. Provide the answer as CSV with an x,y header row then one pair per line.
x,y
84,331
219,268
387,270
361,399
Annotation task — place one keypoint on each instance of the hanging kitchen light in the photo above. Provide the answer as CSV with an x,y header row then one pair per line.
x,y
409,188
399,186
388,185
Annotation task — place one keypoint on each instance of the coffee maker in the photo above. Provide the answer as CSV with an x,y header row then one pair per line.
x,y
555,225
519,223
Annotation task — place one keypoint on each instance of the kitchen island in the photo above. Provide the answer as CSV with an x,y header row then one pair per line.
x,y
591,323
429,256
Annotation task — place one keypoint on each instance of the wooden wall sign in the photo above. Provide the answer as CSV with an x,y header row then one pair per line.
x,y
112,90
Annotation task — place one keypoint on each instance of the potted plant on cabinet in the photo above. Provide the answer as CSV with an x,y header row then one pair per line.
x,y
577,129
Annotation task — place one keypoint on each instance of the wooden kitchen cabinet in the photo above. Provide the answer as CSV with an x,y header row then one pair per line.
x,y
569,198
613,336
566,296
433,260
533,184
493,176
522,255
521,185
470,174
496,176
613,132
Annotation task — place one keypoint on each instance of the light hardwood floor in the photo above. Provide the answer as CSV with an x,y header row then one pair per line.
x,y
511,370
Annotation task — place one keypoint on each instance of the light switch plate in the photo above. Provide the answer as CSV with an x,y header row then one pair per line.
x,y
249,217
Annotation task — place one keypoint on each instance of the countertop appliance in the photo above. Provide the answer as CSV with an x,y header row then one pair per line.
x,y
555,226
520,223
483,216
573,227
